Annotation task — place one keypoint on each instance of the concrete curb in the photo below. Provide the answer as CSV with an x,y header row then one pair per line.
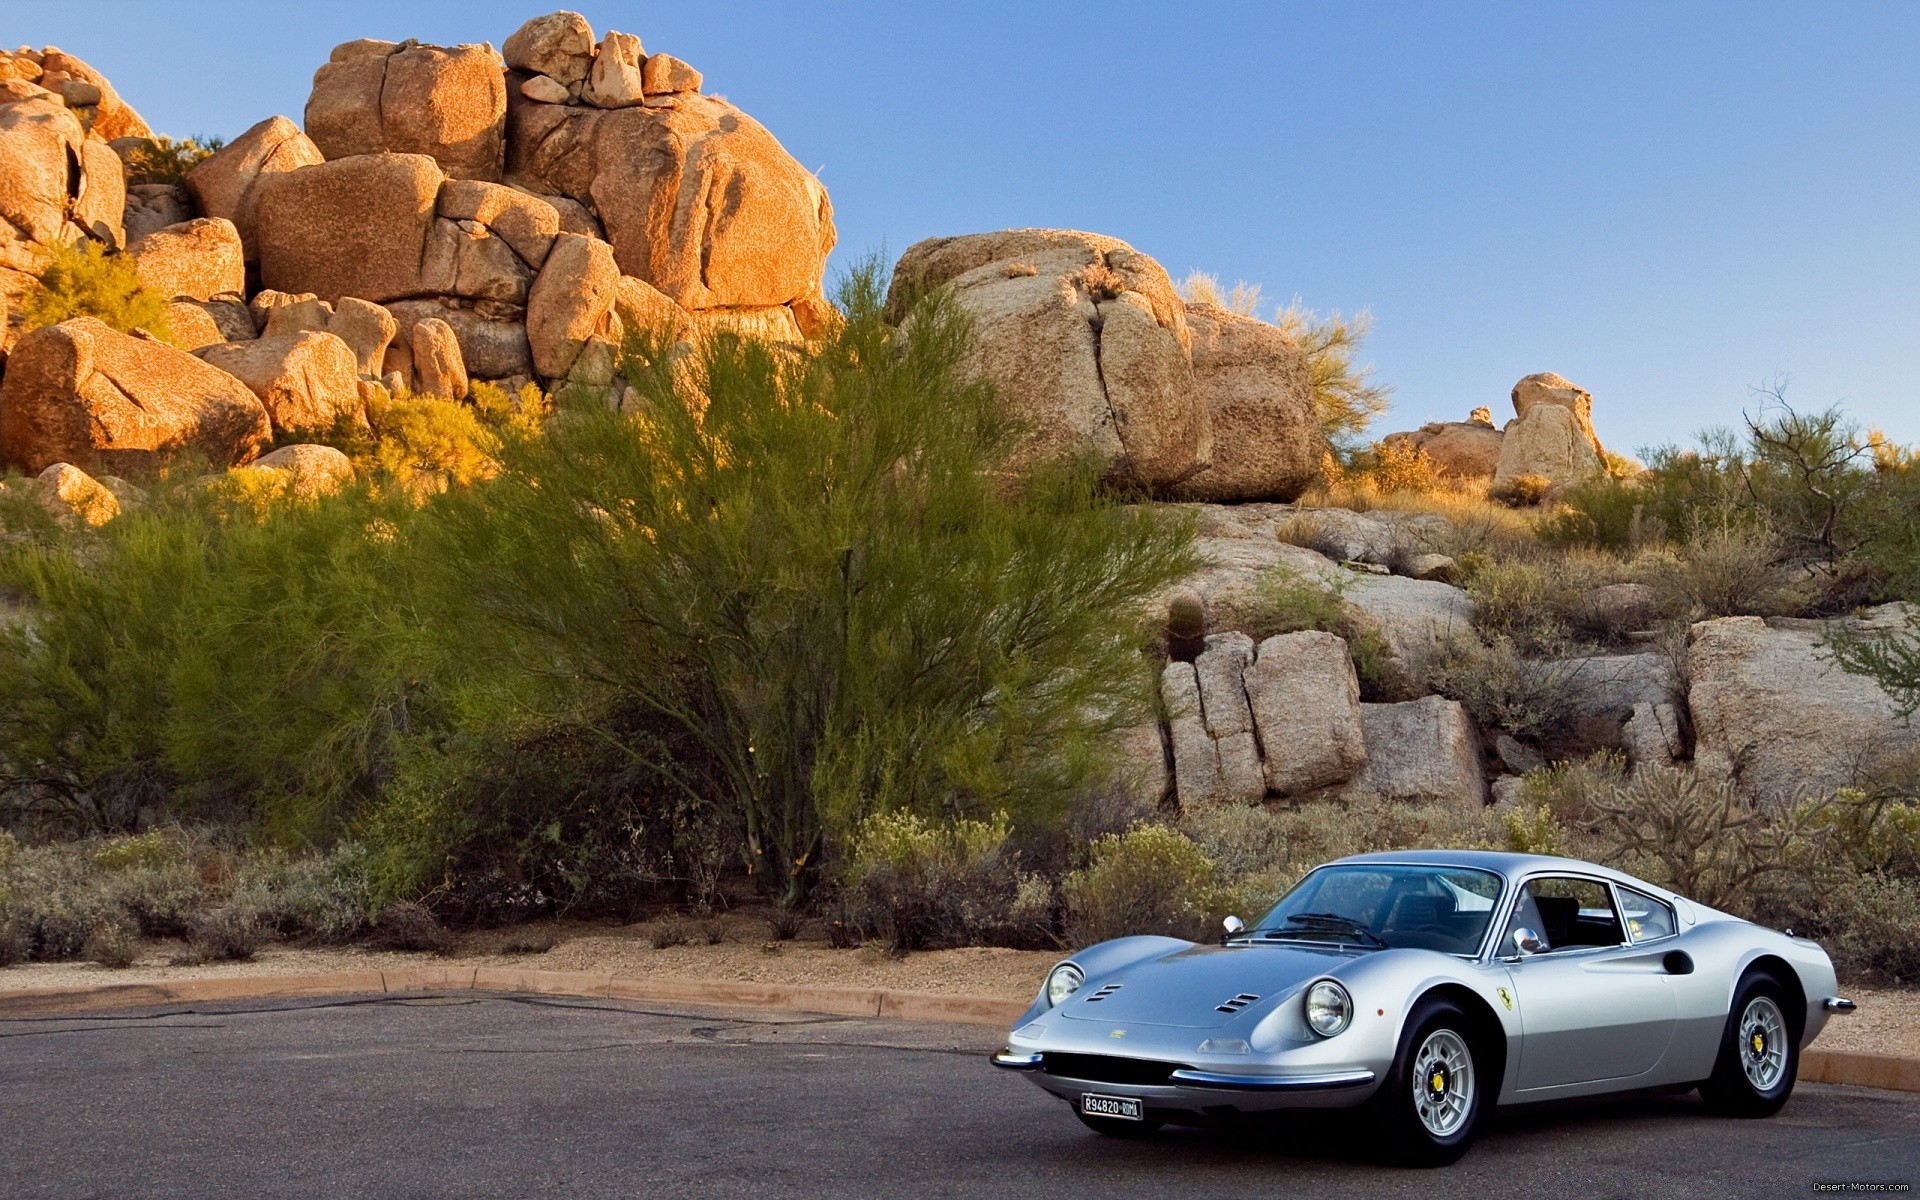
x,y
834,1001
1887,1071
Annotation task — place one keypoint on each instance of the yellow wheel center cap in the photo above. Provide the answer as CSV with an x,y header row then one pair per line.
x,y
1759,1043
1438,1082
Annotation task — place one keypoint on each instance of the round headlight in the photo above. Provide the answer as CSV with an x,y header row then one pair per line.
x,y
1329,1008
1064,981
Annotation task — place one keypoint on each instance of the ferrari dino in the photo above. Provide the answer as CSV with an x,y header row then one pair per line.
x,y
1425,989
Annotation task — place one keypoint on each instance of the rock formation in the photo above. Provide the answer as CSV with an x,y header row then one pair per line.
x,y
80,393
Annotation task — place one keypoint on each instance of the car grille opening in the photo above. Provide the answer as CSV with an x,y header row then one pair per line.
x,y
1238,1003
1104,992
1104,1068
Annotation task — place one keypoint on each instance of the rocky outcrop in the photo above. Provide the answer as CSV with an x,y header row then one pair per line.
x,y
695,197
81,393
352,227
1773,711
1255,384
227,183
1465,450
57,186
1546,443
1652,735
1305,702
194,260
1422,751
1549,388
308,382
1220,671
77,87
1087,341
446,102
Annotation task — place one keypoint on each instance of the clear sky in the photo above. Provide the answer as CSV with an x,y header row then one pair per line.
x,y
1668,203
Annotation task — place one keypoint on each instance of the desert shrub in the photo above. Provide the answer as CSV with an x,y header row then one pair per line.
x,y
529,942
161,159
1260,852
816,569
1533,829
143,850
320,898
1521,491
54,902
1869,924
1285,601
84,280
671,931
1201,288
226,934
426,444
1607,513
1390,468
111,944
1727,568
14,944
1567,791
404,925
916,885
1151,879
1501,689
1531,604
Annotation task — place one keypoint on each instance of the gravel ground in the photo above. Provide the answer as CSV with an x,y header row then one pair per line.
x,y
747,954
1888,1021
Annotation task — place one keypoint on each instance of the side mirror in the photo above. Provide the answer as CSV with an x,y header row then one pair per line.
x,y
1233,925
1526,941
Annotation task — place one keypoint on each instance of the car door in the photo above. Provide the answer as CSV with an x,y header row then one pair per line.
x,y
1592,1007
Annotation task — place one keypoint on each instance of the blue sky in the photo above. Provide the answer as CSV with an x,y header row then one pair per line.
x,y
1669,204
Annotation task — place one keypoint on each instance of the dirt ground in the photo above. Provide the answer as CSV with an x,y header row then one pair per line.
x,y
1888,1021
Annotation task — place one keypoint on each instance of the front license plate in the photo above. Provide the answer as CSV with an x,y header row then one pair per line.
x,y
1120,1108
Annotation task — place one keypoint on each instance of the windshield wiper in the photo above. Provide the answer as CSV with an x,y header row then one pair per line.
x,y
1309,924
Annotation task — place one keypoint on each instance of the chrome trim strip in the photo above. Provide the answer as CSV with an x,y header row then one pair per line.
x,y
1272,1083
1013,1061
1838,1004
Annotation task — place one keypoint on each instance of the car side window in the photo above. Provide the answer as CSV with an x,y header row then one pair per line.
x,y
1567,913
1647,919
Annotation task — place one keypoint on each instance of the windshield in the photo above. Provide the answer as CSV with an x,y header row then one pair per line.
x,y
1402,907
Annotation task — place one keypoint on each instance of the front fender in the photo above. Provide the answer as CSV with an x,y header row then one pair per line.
x,y
1103,959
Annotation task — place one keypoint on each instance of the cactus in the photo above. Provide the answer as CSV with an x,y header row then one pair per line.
x,y
1186,626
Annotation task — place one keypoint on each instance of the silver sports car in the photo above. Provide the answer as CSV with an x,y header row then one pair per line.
x,y
1428,987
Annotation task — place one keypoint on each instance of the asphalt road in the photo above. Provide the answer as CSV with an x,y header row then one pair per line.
x,y
497,1096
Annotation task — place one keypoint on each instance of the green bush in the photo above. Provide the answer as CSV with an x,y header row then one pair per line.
x,y
84,280
918,885
1501,689
1149,880
1604,513
161,159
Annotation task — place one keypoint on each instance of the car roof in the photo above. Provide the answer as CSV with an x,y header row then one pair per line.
x,y
1502,862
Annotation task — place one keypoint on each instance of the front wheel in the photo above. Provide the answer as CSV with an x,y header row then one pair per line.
x,y
1759,1053
1430,1101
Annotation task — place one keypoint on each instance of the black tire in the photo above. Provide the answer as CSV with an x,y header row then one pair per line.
x,y
1759,1052
1119,1129
1429,1117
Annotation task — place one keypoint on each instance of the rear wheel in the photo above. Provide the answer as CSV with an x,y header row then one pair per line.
x,y
1115,1128
1759,1053
1430,1101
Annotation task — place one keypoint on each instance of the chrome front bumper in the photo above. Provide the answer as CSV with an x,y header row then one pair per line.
x,y
1197,1090
1838,1004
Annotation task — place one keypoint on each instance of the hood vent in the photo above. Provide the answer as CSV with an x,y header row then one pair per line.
x,y
1104,992
1238,1003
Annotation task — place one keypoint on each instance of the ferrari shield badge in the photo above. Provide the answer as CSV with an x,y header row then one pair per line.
x,y
1506,998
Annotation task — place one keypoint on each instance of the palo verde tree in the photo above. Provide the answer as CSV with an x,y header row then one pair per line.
x,y
819,568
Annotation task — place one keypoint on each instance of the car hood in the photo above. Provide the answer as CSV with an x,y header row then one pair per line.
x,y
1202,987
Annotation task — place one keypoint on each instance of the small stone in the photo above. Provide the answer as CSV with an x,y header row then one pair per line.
x,y
438,369
617,78
78,93
1481,416
544,89
73,496
1435,567
1518,756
